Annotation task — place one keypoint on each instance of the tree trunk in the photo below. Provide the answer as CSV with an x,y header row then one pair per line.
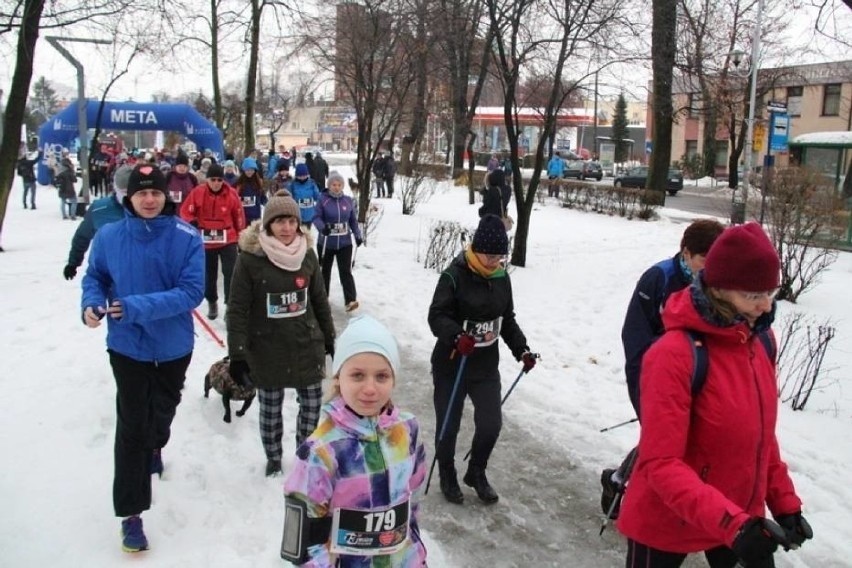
x,y
663,44
17,102
214,60
251,79
708,144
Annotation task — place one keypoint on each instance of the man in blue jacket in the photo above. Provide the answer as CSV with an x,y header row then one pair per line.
x,y
145,276
102,211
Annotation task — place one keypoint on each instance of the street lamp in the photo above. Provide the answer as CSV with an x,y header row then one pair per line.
x,y
738,208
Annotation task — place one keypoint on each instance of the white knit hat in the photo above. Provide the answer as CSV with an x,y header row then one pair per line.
x,y
365,334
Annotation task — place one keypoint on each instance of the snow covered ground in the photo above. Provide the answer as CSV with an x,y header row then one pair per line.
x,y
214,507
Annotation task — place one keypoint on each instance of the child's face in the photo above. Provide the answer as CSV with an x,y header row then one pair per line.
x,y
366,382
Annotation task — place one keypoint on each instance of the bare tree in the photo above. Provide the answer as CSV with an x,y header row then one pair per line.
x,y
663,48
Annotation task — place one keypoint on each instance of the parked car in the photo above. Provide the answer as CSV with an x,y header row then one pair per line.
x,y
573,169
638,177
592,170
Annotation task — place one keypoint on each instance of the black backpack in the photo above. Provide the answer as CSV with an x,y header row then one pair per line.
x,y
614,480
25,169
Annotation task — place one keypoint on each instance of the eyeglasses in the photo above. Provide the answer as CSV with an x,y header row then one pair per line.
x,y
758,296
215,179
495,257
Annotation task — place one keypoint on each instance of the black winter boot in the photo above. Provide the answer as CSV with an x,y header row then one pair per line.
x,y
475,477
450,485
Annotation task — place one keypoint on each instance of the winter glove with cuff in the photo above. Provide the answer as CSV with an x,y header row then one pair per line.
x,y
757,540
796,527
359,241
528,359
240,373
326,230
69,272
465,344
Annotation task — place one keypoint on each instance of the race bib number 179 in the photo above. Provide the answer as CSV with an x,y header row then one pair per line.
x,y
369,533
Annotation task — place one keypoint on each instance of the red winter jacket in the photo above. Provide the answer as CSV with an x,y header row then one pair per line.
x,y
214,212
705,465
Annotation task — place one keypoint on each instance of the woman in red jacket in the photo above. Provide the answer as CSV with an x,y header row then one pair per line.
x,y
216,210
709,466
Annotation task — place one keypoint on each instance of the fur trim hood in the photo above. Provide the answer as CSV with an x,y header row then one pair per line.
x,y
250,239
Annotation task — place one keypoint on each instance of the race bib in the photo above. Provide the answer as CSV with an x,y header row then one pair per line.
x,y
249,200
286,304
484,332
306,203
177,196
339,229
214,235
369,532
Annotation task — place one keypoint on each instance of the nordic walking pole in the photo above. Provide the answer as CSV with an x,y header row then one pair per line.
x,y
208,329
511,388
324,244
619,425
446,420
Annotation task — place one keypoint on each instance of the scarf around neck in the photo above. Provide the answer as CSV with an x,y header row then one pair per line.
x,y
476,266
288,257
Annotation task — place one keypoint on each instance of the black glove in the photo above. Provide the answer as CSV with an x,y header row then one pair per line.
x,y
359,241
240,373
69,272
796,527
326,230
758,540
528,360
329,350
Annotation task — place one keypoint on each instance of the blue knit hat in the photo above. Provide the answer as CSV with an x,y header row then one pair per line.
x,y
490,236
249,164
365,334
302,170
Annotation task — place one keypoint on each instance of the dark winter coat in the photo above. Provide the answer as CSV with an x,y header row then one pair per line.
x,y
319,173
102,212
337,211
209,210
709,463
462,296
26,167
643,323
494,202
156,268
179,185
64,182
253,199
284,352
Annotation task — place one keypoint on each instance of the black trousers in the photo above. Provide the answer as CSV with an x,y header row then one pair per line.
x,y
344,270
487,417
641,556
146,401
228,254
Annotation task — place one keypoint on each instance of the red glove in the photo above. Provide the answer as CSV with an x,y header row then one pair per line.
x,y
465,344
528,359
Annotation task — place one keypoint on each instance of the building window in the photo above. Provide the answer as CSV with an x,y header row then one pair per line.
x,y
794,101
691,148
722,153
831,100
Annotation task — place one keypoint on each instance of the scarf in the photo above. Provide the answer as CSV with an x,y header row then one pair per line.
x,y
476,266
287,257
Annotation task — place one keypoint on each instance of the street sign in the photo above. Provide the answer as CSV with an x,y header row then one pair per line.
x,y
776,106
779,132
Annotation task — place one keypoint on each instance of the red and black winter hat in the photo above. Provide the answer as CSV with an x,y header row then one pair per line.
x,y
743,258
490,236
145,176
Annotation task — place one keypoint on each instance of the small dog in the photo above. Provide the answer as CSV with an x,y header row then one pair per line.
x,y
353,185
219,379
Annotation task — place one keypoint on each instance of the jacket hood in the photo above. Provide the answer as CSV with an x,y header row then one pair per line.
x,y
689,309
249,240
364,428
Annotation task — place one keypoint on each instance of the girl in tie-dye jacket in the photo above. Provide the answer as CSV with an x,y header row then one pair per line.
x,y
365,454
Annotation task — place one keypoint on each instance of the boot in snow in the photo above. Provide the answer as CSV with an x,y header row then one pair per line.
x,y
132,536
273,468
450,485
475,477
212,310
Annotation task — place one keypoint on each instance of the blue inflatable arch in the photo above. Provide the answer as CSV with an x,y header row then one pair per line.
x,y
58,132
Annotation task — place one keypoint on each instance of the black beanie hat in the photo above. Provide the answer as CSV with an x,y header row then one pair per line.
x,y
145,176
215,171
182,159
497,177
490,236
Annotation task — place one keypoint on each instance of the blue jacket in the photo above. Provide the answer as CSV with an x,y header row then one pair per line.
x,y
643,323
252,199
102,212
555,167
340,213
306,194
156,268
272,167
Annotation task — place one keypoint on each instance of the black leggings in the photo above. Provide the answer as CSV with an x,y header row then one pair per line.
x,y
641,556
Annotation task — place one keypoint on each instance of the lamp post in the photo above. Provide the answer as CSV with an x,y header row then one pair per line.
x,y
81,102
738,208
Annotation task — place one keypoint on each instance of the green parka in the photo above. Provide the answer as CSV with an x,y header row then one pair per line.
x,y
282,352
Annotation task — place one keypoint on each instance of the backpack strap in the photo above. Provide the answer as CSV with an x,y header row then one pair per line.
x,y
700,361
768,344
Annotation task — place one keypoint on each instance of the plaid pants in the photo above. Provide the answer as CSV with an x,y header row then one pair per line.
x,y
272,423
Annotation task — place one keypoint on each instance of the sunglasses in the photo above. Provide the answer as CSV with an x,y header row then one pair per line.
x,y
215,179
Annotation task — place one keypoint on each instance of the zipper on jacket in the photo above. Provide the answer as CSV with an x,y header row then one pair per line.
x,y
760,421
375,423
